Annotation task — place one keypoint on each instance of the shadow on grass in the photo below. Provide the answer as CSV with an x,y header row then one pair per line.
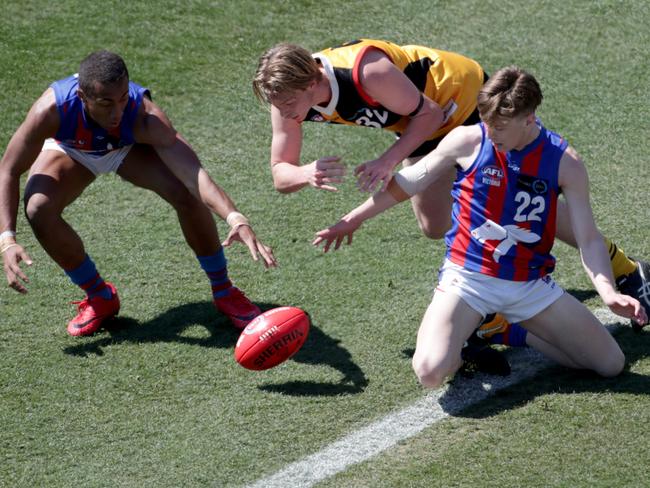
x,y
322,349
556,379
319,349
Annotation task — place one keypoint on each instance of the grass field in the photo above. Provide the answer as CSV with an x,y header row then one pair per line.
x,y
161,402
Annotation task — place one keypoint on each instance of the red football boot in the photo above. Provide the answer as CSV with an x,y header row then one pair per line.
x,y
92,312
239,309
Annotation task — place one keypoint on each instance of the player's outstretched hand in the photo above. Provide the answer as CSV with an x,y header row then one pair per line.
x,y
628,307
335,234
373,175
11,257
245,234
324,172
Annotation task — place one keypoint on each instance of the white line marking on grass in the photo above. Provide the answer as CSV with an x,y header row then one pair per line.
x,y
385,433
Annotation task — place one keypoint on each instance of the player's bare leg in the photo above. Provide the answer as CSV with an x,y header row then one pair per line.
x,y
446,325
54,182
571,328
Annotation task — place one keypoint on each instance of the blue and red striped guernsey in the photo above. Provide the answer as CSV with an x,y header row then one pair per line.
x,y
78,131
504,210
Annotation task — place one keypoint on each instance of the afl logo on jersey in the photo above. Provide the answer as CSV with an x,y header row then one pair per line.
x,y
492,175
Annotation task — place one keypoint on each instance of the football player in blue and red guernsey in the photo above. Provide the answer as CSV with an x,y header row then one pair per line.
x,y
95,122
510,171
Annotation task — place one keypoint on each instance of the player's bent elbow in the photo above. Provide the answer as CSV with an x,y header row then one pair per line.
x,y
282,188
167,138
281,185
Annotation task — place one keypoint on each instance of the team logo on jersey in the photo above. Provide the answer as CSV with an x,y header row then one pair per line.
x,y
317,118
532,184
448,110
508,235
492,175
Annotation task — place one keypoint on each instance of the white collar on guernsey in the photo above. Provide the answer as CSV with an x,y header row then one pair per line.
x,y
334,85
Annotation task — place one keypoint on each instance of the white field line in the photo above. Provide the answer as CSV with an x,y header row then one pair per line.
x,y
383,434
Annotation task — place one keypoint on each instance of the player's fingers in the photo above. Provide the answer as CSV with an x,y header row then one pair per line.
x,y
384,183
253,250
327,187
25,257
339,239
328,243
19,273
333,179
640,314
317,240
336,166
267,254
330,159
361,181
370,184
12,279
350,238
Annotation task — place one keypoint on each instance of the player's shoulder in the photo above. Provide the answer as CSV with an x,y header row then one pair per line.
x,y
44,111
571,160
572,168
461,145
464,135
374,64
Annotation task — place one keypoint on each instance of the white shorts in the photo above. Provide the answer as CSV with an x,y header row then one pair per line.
x,y
107,163
515,300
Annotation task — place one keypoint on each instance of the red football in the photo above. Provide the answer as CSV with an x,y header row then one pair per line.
x,y
271,338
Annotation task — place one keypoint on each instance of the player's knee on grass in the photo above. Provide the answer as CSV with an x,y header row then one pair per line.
x,y
432,373
612,364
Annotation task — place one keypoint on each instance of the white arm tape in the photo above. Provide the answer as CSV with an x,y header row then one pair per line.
x,y
7,233
412,179
235,218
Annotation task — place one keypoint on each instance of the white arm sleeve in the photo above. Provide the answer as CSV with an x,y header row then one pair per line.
x,y
413,179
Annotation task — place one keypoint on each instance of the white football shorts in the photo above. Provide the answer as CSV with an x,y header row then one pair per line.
x,y
108,163
515,300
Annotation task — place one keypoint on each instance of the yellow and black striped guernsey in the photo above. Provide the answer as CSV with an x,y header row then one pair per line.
x,y
449,79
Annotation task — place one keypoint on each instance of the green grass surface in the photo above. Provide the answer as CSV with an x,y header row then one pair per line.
x,y
161,402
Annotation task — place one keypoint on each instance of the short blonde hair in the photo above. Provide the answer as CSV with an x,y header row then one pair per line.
x,y
283,68
511,92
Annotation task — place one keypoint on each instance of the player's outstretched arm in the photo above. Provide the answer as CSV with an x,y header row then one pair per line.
x,y
156,130
575,186
348,224
459,148
23,149
288,174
